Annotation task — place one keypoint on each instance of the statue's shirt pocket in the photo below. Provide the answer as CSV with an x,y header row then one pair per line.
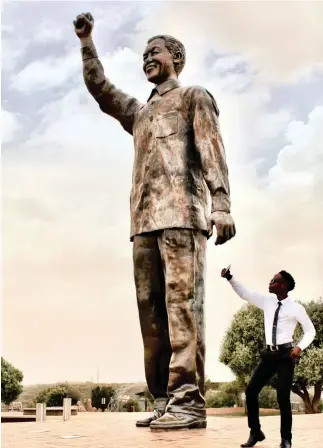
x,y
167,125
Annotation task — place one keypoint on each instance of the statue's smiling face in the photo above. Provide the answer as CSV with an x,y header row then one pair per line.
x,y
158,63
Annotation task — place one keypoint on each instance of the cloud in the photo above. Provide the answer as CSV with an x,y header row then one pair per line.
x,y
282,41
281,218
9,126
13,50
296,182
47,73
304,153
7,28
49,32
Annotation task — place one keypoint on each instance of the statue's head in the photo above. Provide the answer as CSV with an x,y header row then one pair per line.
x,y
164,58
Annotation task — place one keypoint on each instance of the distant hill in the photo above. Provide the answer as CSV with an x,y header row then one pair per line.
x,y
30,392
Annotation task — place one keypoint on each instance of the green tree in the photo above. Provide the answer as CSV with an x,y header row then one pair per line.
x,y
211,385
233,389
54,396
244,341
309,371
11,379
42,397
99,393
268,398
218,399
131,405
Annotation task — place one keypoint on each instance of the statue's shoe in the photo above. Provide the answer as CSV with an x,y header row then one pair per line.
x,y
145,423
177,420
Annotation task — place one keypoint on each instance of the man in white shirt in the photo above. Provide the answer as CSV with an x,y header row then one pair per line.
x,y
281,315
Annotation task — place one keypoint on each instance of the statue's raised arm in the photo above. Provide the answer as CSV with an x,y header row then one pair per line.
x,y
111,100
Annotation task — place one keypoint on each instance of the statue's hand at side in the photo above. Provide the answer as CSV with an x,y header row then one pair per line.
x,y
83,25
224,225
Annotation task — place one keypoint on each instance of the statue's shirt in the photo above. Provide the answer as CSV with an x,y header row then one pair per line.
x,y
179,153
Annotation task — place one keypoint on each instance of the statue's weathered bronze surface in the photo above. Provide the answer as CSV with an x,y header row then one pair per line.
x,y
179,154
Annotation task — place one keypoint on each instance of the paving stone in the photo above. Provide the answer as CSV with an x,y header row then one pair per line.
x,y
118,430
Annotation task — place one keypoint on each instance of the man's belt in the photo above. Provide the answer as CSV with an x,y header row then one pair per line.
x,y
276,348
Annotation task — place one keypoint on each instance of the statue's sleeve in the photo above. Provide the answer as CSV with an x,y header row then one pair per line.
x,y
111,100
209,145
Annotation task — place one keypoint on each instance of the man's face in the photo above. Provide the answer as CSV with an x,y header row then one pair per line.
x,y
158,62
278,285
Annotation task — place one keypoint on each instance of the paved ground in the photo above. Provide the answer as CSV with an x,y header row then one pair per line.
x,y
117,430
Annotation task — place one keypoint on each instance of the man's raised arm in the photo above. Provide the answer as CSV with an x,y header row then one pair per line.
x,y
252,297
111,100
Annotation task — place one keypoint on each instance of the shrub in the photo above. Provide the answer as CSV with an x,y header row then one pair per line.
x,y
11,379
215,399
102,392
127,407
54,396
234,389
268,398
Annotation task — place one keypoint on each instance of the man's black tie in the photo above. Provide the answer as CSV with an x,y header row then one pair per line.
x,y
275,323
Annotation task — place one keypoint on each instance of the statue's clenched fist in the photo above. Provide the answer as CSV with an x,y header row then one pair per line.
x,y
83,25
224,225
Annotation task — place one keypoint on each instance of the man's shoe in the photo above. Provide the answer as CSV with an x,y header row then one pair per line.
x,y
285,443
254,438
177,420
145,423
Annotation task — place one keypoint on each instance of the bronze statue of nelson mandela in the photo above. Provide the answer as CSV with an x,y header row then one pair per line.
x,y
179,162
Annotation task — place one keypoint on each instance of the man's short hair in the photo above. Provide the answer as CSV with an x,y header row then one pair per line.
x,y
288,279
174,46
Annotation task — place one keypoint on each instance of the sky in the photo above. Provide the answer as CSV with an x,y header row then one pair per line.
x,y
69,305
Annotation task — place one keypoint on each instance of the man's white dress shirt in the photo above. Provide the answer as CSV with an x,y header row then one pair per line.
x,y
289,315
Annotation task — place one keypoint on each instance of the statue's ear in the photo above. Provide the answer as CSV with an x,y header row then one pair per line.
x,y
178,56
